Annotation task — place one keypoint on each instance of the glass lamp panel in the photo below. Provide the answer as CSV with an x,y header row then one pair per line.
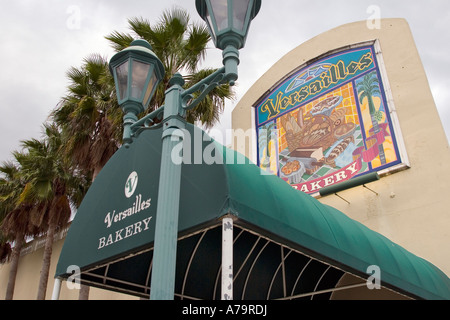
x,y
220,12
122,80
240,8
139,76
148,92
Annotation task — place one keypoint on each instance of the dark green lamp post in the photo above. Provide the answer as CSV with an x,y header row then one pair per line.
x,y
137,72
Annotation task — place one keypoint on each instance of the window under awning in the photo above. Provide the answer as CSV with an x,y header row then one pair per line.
x,y
287,245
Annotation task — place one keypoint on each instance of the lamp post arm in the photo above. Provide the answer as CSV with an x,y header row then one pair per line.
x,y
208,80
147,121
205,86
227,74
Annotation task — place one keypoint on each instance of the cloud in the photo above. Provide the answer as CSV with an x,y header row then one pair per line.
x,y
45,38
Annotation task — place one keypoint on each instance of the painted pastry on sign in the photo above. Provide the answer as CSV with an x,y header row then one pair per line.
x,y
326,106
309,135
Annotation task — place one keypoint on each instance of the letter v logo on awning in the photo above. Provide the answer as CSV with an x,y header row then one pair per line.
x,y
131,184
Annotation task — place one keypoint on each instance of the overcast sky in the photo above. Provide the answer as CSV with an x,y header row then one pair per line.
x,y
42,39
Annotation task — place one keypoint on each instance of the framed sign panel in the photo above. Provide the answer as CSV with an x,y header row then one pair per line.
x,y
330,121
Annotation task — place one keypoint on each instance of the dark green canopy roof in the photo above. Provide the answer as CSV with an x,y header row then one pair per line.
x,y
111,237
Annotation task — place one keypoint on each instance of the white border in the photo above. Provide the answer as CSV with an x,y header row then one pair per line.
x,y
393,114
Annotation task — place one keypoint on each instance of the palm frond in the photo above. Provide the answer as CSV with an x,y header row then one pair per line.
x,y
119,40
141,27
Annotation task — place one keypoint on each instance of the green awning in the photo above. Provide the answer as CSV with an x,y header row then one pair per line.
x,y
111,237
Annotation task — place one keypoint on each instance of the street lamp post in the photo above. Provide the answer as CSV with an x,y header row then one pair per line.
x,y
137,71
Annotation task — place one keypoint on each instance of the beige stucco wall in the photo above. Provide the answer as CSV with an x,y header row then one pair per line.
x,y
412,207
28,274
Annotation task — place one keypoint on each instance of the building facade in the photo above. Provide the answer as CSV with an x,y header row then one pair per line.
x,y
409,203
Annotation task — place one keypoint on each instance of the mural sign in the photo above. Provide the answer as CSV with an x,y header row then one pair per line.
x,y
328,123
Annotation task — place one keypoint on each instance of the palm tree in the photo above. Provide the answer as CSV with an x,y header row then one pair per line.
x,y
90,119
181,46
89,116
15,217
50,187
367,88
10,186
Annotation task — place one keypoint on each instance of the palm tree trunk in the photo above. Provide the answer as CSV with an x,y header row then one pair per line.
x,y
84,292
15,256
380,146
42,289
